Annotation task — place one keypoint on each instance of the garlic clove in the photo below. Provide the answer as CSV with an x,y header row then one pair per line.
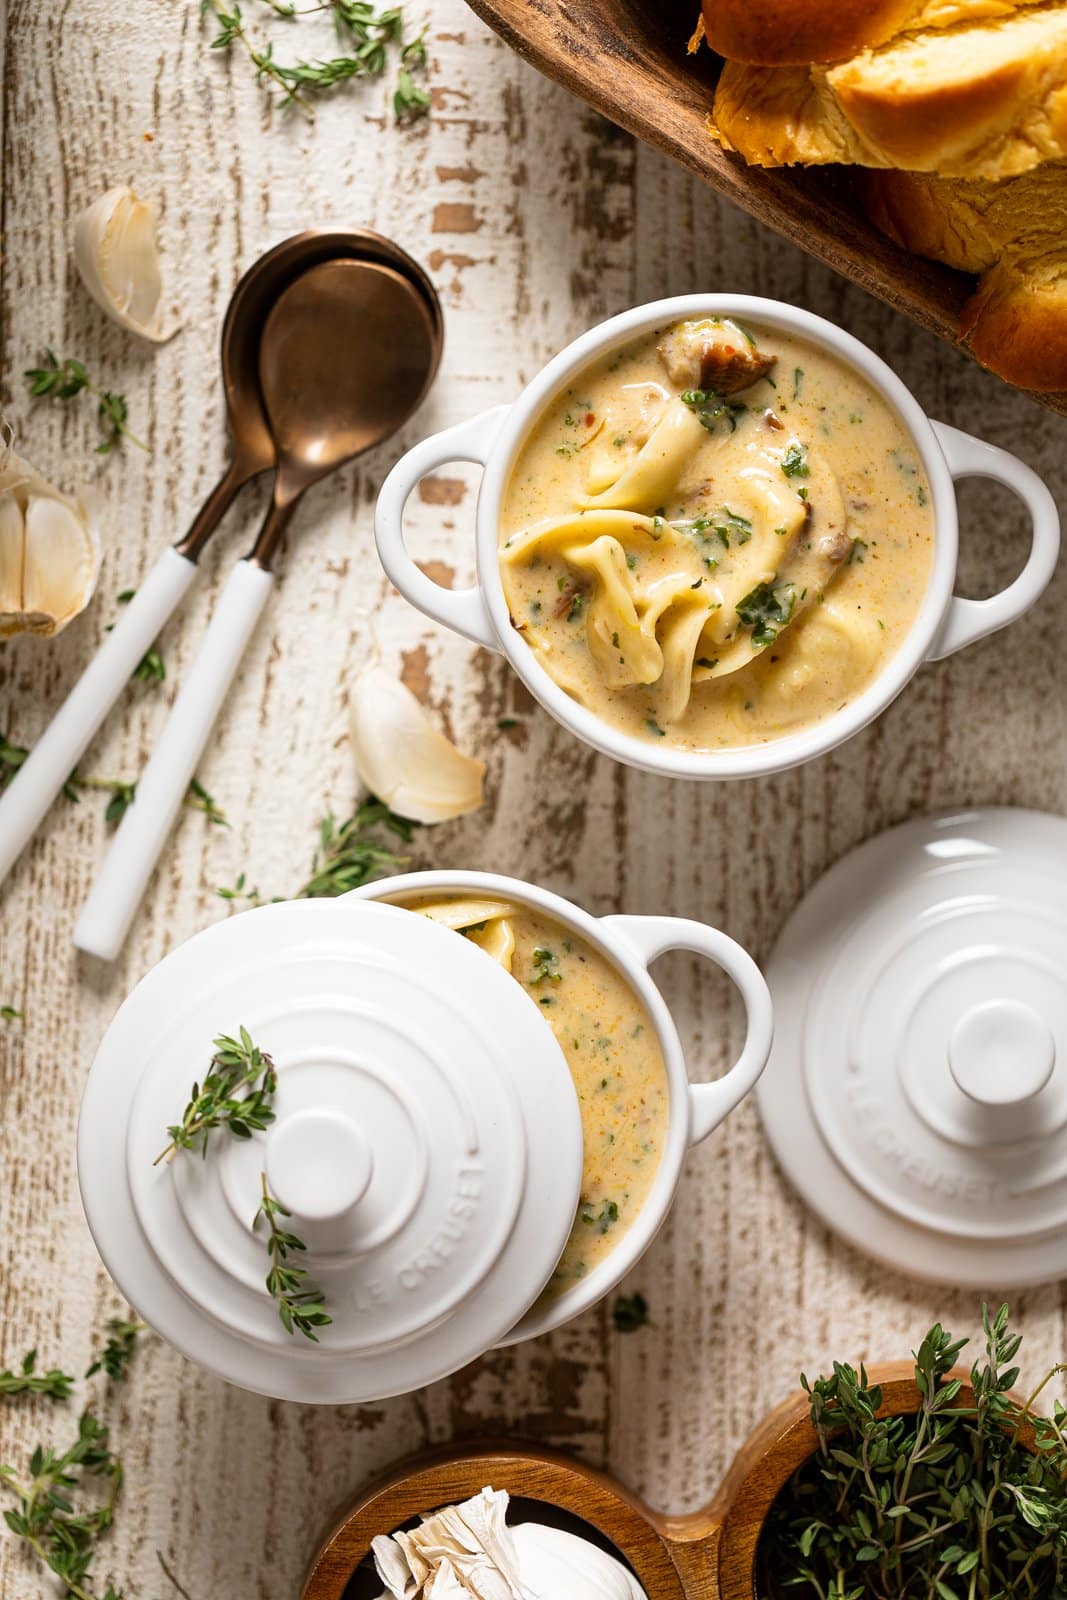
x,y
553,1562
49,552
404,759
116,253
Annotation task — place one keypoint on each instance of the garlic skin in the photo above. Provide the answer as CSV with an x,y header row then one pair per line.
x,y
404,759
116,253
49,552
468,1552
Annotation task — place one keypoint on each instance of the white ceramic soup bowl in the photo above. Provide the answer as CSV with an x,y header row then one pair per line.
x,y
630,944
944,624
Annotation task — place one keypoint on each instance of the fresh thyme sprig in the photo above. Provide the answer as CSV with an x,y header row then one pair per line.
x,y
27,1380
114,1359
236,1095
10,1013
366,32
121,792
944,1504
630,1312
347,856
151,668
45,1517
301,1307
63,379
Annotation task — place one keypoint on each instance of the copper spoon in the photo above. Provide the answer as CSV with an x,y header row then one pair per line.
x,y
57,752
346,354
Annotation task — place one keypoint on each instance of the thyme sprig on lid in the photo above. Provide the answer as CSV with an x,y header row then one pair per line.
x,y
57,379
948,1503
236,1095
301,1307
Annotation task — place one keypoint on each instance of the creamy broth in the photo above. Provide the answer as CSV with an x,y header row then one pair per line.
x,y
611,1049
716,536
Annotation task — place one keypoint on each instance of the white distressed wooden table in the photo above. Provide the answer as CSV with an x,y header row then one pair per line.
x,y
535,219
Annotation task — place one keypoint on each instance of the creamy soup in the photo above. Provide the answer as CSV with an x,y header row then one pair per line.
x,y
716,536
611,1048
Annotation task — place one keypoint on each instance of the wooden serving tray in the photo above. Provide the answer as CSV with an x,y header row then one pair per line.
x,y
627,59
706,1555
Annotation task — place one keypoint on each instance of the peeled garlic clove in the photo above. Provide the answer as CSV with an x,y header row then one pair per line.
x,y
49,552
116,253
404,759
553,1562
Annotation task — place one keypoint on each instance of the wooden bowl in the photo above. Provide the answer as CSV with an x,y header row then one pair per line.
x,y
627,59
706,1555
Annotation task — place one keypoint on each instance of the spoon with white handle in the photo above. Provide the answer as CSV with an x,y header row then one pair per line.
x,y
347,353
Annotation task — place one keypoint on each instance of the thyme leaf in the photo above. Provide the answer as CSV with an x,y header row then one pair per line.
x,y
115,1357
27,1380
301,1307
121,793
63,379
237,1094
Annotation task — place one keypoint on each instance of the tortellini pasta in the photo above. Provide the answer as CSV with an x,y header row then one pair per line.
x,y
666,552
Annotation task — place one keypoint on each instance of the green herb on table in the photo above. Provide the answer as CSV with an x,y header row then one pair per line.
x,y
27,1380
767,609
365,34
151,668
301,1308
630,1312
63,380
45,1516
349,854
121,793
545,966
236,1094
115,1357
711,408
945,1504
10,1013
795,461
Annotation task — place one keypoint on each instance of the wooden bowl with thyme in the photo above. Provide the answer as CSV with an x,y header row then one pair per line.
x,y
917,1480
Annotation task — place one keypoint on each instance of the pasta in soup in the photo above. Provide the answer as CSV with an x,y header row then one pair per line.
x,y
716,536
611,1048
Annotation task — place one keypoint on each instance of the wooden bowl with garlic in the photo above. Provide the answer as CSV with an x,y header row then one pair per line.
x,y
912,1471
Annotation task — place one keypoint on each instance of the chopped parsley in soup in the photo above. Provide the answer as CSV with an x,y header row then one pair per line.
x,y
715,536
611,1048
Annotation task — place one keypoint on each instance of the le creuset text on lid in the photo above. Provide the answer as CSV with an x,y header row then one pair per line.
x,y
427,1135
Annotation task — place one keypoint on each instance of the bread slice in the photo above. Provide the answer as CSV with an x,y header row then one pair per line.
x,y
1014,235
784,33
985,100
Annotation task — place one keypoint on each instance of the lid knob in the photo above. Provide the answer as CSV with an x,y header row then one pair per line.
x,y
319,1163
1001,1053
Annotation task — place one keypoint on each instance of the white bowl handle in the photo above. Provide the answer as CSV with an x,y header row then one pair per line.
x,y
462,610
968,620
649,937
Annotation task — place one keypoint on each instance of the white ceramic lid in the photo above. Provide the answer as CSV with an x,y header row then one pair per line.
x,y
427,1142
916,1094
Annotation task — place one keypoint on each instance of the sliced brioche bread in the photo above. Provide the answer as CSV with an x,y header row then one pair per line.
x,y
985,100
1014,235
784,33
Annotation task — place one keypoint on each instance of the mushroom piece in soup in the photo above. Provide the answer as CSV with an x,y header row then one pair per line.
x,y
611,1048
715,536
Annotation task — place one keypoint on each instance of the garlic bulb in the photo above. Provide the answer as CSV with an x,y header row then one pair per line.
x,y
468,1552
404,759
116,253
49,552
